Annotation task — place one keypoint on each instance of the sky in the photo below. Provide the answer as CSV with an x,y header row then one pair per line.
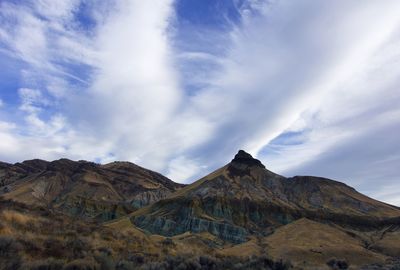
x,y
308,87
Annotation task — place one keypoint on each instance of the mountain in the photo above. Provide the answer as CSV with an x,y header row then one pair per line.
x,y
81,215
83,188
243,198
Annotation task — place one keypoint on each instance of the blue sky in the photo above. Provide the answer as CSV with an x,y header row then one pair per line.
x,y
309,87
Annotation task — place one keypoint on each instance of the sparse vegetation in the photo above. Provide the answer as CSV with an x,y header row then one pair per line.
x,y
37,239
45,264
211,263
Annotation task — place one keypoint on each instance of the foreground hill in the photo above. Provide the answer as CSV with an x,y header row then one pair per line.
x,y
83,188
35,238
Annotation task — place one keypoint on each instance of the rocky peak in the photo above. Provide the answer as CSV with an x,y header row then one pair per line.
x,y
242,157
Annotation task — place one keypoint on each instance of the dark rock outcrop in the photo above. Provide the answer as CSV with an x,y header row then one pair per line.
x,y
245,158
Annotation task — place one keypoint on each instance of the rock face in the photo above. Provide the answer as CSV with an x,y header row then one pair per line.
x,y
243,199
243,158
82,188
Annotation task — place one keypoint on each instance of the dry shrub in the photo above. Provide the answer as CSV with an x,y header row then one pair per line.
x,y
18,221
78,247
4,229
125,265
82,264
212,263
105,261
8,246
337,264
53,247
16,217
9,253
46,264
30,246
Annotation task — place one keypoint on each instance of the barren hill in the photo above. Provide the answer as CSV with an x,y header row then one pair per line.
x,y
84,188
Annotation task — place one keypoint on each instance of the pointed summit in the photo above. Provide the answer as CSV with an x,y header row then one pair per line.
x,y
242,157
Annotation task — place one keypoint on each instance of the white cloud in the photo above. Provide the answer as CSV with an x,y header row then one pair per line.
x,y
58,9
181,168
16,147
46,40
31,99
8,143
349,130
135,92
129,102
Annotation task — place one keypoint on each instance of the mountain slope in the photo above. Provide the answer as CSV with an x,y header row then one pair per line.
x,y
83,188
243,199
318,243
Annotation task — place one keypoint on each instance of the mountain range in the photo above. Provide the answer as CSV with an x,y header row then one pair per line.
x,y
241,216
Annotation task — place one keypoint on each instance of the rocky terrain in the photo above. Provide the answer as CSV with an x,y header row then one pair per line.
x,y
82,188
243,198
81,215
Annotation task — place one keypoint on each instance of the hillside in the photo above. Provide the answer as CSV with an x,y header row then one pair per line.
x,y
81,215
83,188
243,198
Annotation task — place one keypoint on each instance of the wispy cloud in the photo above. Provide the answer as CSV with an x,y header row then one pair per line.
x,y
283,62
127,101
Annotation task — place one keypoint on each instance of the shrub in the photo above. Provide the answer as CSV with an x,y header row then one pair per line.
x,y
168,242
47,264
105,261
137,259
125,265
9,253
105,250
82,264
30,246
207,262
54,248
337,264
155,266
10,263
8,246
210,263
78,247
